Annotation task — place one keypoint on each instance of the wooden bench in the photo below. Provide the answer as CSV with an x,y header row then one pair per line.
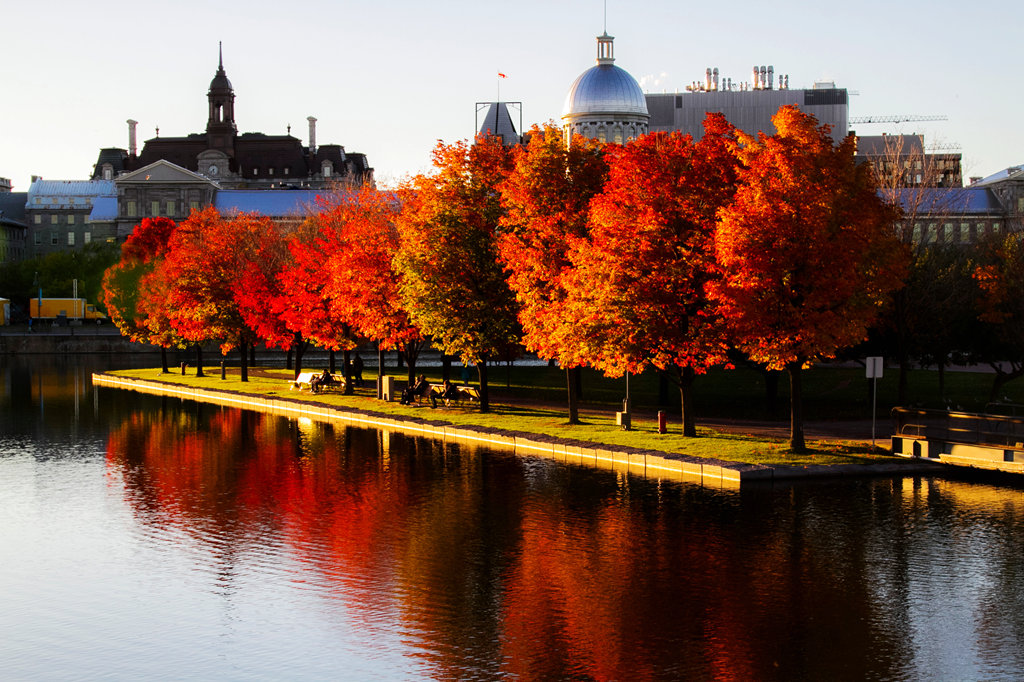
x,y
305,381
465,393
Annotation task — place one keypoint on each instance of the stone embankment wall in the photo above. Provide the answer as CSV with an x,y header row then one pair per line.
x,y
648,463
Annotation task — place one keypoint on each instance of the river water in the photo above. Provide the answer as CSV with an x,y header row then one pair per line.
x,y
151,538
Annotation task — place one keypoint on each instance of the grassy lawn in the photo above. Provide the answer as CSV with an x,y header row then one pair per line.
x,y
531,401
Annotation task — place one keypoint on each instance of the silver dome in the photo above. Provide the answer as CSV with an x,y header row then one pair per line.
x,y
605,88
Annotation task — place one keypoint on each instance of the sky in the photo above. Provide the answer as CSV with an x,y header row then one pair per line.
x,y
390,78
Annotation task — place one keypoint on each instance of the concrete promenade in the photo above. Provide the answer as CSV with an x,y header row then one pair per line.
x,y
647,463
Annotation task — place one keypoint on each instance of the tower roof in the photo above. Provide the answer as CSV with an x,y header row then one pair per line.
x,y
220,80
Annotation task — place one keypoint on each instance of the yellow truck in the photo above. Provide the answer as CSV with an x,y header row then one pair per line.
x,y
64,309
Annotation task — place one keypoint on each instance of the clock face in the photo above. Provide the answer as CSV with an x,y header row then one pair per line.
x,y
213,170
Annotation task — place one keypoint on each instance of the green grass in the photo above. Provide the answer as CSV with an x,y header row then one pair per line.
x,y
531,402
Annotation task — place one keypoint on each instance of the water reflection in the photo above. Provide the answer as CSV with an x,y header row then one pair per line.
x,y
258,546
486,565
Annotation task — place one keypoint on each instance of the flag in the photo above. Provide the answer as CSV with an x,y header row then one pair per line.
x,y
501,75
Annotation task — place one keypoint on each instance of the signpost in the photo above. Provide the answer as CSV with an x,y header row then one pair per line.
x,y
874,367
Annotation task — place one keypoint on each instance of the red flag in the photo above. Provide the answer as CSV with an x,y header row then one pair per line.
x,y
501,75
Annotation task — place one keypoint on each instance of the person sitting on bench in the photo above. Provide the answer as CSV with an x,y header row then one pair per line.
x,y
448,393
419,389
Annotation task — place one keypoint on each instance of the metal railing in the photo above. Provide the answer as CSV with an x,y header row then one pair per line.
x,y
960,427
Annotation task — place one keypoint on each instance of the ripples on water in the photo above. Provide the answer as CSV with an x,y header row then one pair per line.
x,y
149,538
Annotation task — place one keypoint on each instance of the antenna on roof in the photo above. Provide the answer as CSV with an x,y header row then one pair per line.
x,y
605,16
220,55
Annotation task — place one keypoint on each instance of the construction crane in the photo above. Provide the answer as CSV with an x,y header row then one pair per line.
x,y
896,119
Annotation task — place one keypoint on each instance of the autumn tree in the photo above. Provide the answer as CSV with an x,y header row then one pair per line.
x,y
362,282
451,281
806,250
128,288
547,197
638,292
308,305
207,256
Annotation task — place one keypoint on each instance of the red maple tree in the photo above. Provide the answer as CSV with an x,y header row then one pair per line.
x,y
546,198
807,250
639,287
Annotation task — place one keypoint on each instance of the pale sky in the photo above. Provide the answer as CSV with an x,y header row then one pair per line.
x,y
389,79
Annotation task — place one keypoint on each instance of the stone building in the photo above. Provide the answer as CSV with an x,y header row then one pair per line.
x,y
58,214
605,102
13,226
239,161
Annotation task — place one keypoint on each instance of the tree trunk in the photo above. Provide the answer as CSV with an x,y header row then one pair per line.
x,y
796,410
570,382
481,370
446,367
299,344
380,373
771,392
164,369
346,366
411,357
901,391
686,379
199,361
244,348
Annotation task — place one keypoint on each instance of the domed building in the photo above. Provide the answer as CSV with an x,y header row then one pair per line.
x,y
605,102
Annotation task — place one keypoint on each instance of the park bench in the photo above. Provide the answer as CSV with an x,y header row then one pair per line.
x,y
305,381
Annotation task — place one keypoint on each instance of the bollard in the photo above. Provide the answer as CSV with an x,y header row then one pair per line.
x,y
662,422
223,371
183,366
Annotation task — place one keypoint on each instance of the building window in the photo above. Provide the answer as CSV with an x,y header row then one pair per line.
x,y
87,237
255,172
933,233
53,239
108,172
39,238
170,207
965,233
325,169
53,218
995,228
37,219
287,170
270,171
154,208
71,219
917,233
194,205
131,208
71,238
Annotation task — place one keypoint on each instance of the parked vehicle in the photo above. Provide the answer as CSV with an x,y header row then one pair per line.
x,y
58,309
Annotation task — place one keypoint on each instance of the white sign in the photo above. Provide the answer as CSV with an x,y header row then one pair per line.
x,y
874,367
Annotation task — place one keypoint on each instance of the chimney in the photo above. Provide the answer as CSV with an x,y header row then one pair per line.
x,y
131,136
715,73
771,76
764,74
756,82
707,79
312,134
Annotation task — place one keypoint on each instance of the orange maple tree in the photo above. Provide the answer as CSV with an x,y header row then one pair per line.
x,y
547,197
807,250
451,282
638,290
362,282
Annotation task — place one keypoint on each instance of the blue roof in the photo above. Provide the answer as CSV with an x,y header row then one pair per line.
x,y
949,200
65,193
271,203
104,208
